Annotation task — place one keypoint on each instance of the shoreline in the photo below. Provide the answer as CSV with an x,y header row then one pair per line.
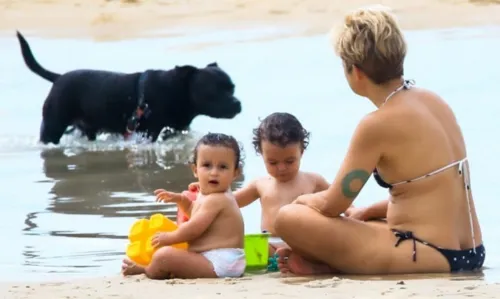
x,y
116,20
253,286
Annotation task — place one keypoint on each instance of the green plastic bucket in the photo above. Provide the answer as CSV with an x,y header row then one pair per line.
x,y
256,251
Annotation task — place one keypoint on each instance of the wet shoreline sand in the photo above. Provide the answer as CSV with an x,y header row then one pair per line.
x,y
115,19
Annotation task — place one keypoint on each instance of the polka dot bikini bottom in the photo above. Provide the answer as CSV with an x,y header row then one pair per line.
x,y
459,260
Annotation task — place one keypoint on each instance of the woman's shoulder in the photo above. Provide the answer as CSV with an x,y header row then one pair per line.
x,y
372,124
405,112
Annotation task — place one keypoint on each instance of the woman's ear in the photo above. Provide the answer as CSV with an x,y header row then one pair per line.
x,y
357,73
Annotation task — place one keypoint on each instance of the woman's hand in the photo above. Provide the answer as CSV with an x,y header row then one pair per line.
x,y
163,195
314,201
356,213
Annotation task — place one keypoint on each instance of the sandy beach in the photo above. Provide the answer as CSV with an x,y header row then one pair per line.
x,y
268,286
118,19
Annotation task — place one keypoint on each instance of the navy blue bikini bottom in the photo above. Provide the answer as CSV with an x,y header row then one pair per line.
x,y
459,260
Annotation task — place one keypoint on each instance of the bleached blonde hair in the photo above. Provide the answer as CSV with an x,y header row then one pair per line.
x,y
371,40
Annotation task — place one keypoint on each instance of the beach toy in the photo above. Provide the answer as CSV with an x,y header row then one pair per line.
x,y
257,251
181,217
140,250
272,265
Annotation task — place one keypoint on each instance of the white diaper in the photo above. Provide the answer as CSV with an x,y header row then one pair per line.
x,y
277,242
227,262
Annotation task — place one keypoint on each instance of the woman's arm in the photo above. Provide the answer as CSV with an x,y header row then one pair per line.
x,y
364,152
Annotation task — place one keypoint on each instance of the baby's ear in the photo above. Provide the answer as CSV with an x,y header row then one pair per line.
x,y
238,170
193,168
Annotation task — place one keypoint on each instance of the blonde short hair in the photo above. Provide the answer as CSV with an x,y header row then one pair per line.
x,y
371,40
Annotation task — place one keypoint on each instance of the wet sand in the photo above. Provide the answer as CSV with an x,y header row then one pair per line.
x,y
118,19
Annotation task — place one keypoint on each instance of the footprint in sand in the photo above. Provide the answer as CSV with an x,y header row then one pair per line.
x,y
329,283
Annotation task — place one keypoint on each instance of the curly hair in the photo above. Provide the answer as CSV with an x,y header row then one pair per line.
x,y
282,129
219,139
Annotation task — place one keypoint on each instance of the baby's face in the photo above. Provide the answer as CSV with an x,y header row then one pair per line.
x,y
215,168
282,163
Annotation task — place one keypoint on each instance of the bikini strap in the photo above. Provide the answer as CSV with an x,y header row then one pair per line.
x,y
407,84
408,235
459,163
464,172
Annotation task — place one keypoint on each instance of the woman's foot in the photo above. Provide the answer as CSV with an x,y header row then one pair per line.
x,y
289,262
130,268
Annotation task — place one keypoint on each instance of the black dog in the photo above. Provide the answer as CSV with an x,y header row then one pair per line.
x,y
97,101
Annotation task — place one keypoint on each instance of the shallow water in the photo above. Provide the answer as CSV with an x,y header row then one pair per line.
x,y
66,210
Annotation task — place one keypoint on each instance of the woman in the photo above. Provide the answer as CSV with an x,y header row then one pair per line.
x,y
414,147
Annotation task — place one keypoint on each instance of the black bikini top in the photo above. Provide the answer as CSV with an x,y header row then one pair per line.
x,y
380,181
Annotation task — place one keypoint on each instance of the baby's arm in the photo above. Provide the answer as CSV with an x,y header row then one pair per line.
x,y
180,199
185,204
377,210
205,215
321,183
247,194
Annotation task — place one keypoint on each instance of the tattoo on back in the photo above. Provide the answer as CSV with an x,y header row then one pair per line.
x,y
359,175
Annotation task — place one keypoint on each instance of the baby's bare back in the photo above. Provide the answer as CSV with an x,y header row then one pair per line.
x,y
274,195
226,230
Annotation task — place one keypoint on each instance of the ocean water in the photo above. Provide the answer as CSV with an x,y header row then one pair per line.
x,y
66,209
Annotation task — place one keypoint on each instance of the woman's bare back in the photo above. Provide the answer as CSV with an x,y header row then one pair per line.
x,y
423,136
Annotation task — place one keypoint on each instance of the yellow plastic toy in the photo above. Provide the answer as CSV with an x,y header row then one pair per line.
x,y
142,231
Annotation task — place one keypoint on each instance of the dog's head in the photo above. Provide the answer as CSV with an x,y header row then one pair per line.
x,y
212,92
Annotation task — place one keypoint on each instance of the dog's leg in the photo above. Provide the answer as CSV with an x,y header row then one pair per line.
x,y
91,135
154,134
169,134
88,131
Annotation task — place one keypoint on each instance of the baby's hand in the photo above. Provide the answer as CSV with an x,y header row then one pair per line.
x,y
166,196
160,240
194,187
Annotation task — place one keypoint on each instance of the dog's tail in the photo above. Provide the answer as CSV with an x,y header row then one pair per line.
x,y
31,62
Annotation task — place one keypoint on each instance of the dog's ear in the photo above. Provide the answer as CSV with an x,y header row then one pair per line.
x,y
185,69
188,68
212,64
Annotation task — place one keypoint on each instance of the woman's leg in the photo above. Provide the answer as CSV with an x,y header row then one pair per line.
x,y
320,244
169,261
